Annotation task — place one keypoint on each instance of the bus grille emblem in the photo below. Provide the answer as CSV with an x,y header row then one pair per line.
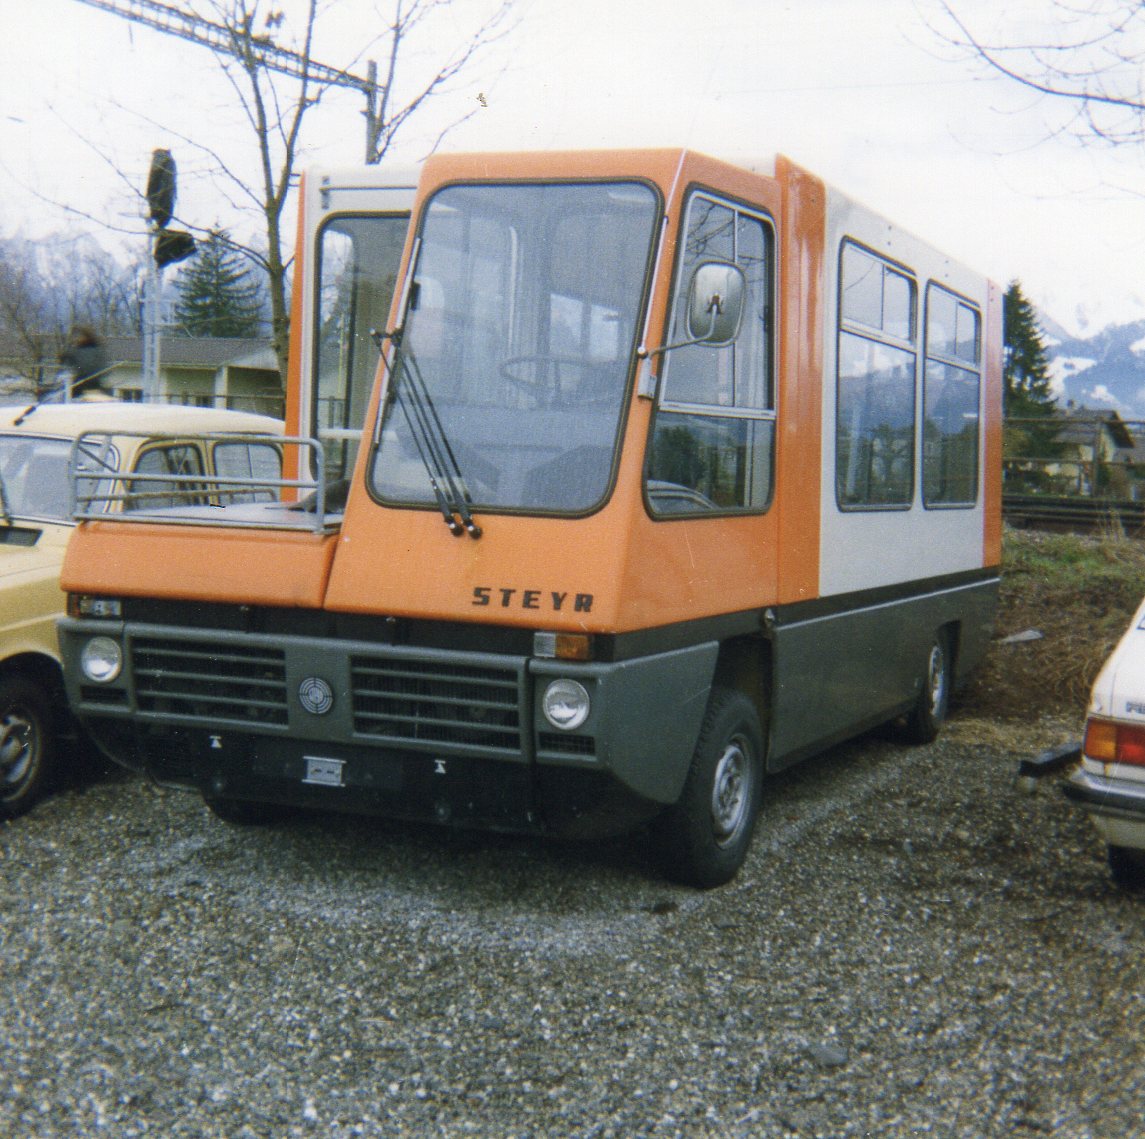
x,y
316,695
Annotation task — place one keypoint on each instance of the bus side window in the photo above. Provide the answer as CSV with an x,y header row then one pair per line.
x,y
714,432
952,384
875,424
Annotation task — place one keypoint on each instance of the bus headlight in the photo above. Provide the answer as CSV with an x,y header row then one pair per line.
x,y
101,660
566,704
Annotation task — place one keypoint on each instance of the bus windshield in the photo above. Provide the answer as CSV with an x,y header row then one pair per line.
x,y
517,346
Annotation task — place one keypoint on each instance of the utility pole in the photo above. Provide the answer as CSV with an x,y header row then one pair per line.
x,y
242,44
167,247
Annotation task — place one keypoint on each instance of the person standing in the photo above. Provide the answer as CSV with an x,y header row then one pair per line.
x,y
86,358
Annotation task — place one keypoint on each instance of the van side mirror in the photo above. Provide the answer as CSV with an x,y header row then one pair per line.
x,y
715,303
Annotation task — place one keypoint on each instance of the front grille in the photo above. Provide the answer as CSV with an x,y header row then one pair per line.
x,y
211,682
567,745
437,702
108,697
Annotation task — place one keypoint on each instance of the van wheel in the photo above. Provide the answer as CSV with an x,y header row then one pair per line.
x,y
1127,866
703,838
929,713
27,745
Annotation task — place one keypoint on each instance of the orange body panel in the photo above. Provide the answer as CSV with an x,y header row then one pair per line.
x,y
614,571
638,572
290,458
799,444
255,567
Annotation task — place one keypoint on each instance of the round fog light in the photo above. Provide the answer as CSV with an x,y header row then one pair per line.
x,y
101,659
566,704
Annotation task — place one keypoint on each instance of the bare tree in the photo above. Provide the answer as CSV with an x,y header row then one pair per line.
x,y
1089,54
51,285
405,19
275,107
21,309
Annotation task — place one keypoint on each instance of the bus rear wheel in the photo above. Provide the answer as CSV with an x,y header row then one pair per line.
x,y
929,713
703,838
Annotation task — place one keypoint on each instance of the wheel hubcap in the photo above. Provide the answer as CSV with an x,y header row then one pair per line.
x,y
17,745
936,677
730,791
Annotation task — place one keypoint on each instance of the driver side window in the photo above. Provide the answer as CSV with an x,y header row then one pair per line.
x,y
714,430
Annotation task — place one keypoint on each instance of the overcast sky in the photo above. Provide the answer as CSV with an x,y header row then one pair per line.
x,y
865,93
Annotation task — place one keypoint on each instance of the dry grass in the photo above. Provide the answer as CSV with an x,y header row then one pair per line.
x,y
1079,594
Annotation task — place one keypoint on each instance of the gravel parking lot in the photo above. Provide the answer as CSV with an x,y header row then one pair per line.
x,y
914,947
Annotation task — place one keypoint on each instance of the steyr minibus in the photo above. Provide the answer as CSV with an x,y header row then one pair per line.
x,y
675,471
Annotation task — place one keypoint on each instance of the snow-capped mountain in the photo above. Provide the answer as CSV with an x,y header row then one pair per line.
x,y
1104,370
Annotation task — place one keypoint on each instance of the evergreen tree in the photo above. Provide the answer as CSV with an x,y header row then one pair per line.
x,y
1027,372
217,294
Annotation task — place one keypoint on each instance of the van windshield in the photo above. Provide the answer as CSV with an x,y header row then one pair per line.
x,y
34,474
517,346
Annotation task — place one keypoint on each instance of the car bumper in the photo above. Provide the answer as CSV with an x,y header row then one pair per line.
x,y
1116,806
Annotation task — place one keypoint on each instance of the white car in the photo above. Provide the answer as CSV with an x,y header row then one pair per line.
x,y
1110,781
156,443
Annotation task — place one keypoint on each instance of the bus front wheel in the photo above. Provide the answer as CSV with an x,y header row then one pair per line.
x,y
704,837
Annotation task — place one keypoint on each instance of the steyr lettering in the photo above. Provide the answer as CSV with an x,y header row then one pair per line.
x,y
487,595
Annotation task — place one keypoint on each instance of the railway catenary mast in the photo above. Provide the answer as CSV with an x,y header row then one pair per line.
x,y
242,43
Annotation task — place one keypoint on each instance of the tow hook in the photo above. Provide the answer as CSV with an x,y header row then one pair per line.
x,y
1049,762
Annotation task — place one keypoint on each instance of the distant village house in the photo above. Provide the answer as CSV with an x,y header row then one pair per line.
x,y
201,371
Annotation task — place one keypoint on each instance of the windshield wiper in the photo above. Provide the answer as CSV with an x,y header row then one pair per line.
x,y
433,447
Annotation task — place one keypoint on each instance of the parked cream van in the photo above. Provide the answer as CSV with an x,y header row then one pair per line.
x,y
36,445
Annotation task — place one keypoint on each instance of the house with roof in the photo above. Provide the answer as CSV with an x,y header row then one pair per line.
x,y
204,371
1076,451
201,371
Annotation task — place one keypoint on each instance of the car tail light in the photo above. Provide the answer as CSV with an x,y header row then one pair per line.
x,y
1109,742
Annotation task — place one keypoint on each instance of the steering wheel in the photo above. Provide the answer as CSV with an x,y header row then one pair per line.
x,y
545,386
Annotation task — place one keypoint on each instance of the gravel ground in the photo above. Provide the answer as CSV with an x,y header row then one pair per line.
x,y
914,947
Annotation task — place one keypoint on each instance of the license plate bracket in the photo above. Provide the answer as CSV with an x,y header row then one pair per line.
x,y
322,771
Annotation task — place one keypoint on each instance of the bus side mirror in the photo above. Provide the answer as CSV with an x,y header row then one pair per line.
x,y
715,303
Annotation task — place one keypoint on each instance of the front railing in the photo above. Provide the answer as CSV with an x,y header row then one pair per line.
x,y
100,490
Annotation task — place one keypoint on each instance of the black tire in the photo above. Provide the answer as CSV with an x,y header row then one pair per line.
x,y
704,837
1127,866
929,713
29,745
244,812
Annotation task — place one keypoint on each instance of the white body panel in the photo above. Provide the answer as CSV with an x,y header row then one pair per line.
x,y
868,548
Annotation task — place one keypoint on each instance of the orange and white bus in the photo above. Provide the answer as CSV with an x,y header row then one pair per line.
x,y
676,471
